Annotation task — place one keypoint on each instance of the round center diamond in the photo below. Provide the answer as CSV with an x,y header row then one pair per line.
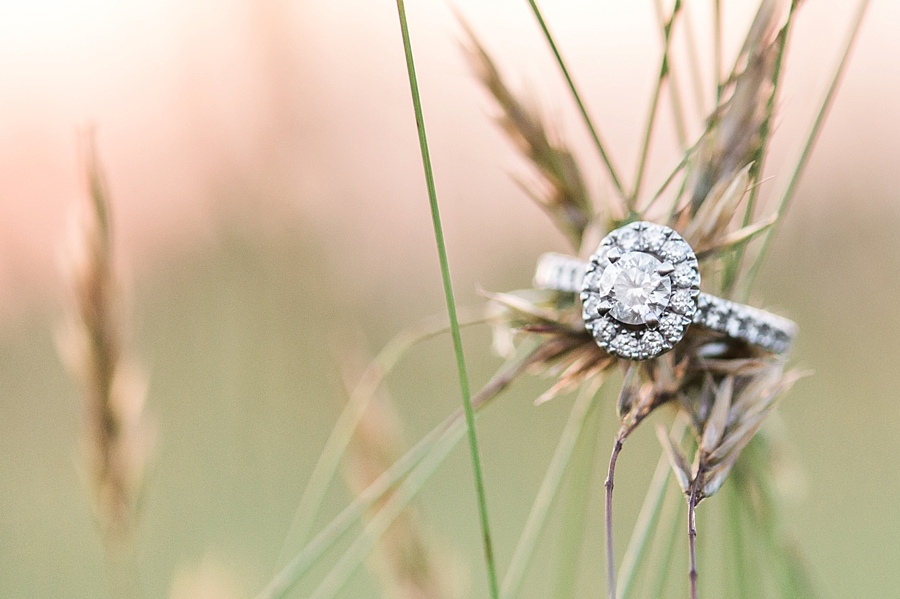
x,y
635,287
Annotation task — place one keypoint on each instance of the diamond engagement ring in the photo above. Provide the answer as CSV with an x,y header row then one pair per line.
x,y
641,290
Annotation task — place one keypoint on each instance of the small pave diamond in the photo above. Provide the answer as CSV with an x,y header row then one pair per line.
x,y
628,239
676,250
624,344
592,279
682,302
685,275
652,343
671,326
590,309
599,256
734,326
653,238
604,330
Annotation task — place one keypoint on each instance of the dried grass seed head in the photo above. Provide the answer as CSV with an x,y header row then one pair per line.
x,y
556,185
116,435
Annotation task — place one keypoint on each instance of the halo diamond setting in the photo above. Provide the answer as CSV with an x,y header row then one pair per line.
x,y
634,303
641,290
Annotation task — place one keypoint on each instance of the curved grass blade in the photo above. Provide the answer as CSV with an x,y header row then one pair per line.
x,y
647,517
733,268
740,552
282,582
695,70
584,113
669,526
330,458
365,543
654,103
521,559
678,117
808,145
451,303
717,49
575,511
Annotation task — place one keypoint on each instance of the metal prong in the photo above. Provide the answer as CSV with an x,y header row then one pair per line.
x,y
603,307
613,255
651,320
665,268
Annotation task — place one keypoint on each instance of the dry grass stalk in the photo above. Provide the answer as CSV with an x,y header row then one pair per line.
x,y
558,186
734,139
406,561
726,387
116,435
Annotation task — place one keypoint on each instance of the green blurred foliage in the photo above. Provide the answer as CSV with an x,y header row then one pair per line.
x,y
239,340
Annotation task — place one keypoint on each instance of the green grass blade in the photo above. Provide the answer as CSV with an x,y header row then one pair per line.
x,y
452,425
282,582
695,70
329,460
669,525
717,49
734,265
361,548
740,552
678,117
811,138
451,304
647,517
524,551
766,126
654,103
584,113
575,511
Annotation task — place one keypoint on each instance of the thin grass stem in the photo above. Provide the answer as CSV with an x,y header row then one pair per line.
x,y
665,184
537,518
604,155
682,164
628,389
766,125
669,523
654,103
692,533
647,517
329,460
734,265
694,60
451,305
282,582
575,511
717,49
738,542
678,117
364,544
610,553
811,138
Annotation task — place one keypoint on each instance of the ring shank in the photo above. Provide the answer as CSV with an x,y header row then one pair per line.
x,y
751,325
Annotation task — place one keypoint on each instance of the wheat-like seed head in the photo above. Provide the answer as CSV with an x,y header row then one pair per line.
x,y
116,435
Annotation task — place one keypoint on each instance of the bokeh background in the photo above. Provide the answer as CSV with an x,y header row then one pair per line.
x,y
269,205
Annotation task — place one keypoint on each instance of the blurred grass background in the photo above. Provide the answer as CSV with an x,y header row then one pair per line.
x,y
312,224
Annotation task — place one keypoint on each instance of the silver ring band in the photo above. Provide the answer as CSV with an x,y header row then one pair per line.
x,y
750,325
